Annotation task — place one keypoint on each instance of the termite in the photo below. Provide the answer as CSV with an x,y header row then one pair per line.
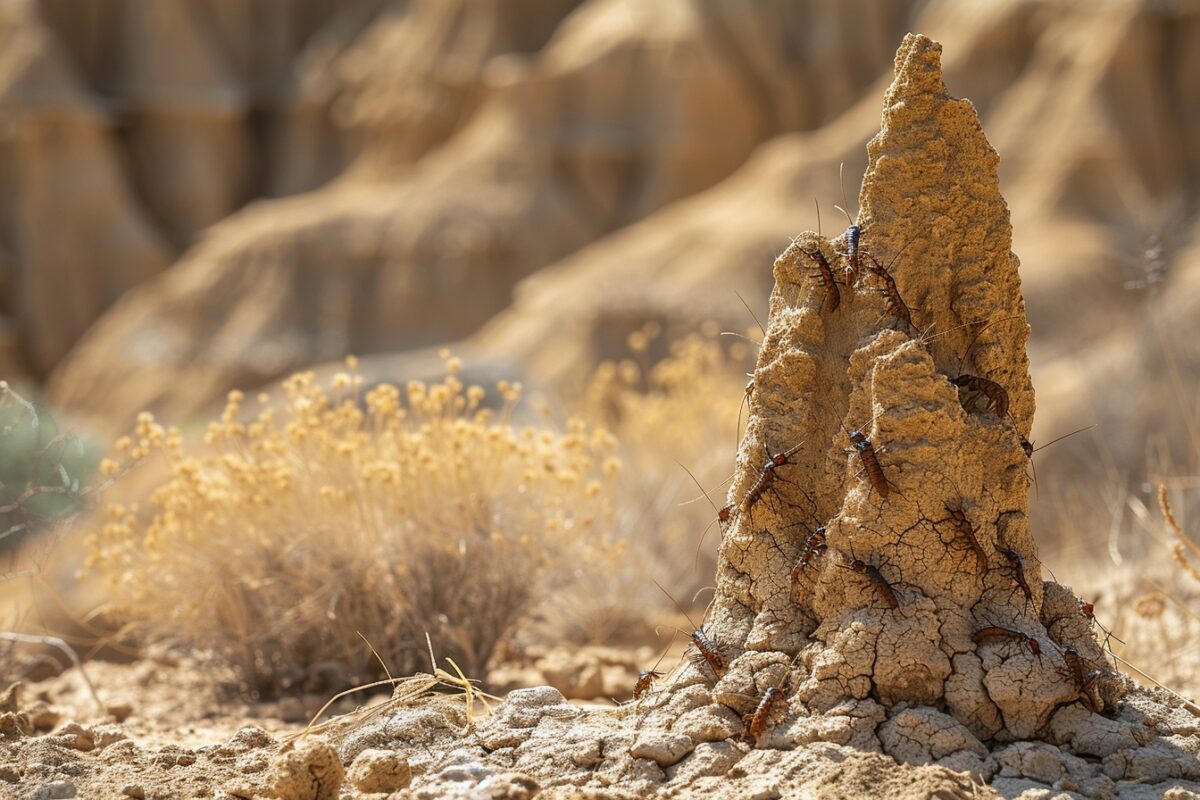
x,y
1089,610
958,517
997,632
852,234
813,543
767,475
884,589
1029,449
756,721
708,650
724,515
995,394
833,297
1083,678
895,303
647,677
1018,567
870,462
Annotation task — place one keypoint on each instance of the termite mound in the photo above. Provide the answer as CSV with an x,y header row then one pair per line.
x,y
921,611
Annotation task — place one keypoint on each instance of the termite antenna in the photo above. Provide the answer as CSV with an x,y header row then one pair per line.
x,y
676,602
1064,436
743,403
696,558
702,590
674,632
926,339
975,338
1030,450
845,201
706,494
818,207
761,327
740,336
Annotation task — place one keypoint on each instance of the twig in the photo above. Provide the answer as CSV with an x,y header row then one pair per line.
x,y
54,641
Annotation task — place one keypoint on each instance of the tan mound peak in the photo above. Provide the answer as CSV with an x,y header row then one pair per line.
x,y
878,541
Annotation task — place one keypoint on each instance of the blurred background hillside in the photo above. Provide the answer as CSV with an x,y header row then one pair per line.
x,y
200,195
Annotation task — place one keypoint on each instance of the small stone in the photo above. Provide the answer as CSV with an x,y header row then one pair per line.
x,y
309,771
379,771
710,759
711,723
120,711
662,748
134,791
105,735
14,725
511,786
74,736
43,717
58,790
10,698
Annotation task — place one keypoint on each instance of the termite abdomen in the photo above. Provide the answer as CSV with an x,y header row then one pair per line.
x,y
645,678
958,516
707,652
870,462
1018,566
833,297
756,721
813,543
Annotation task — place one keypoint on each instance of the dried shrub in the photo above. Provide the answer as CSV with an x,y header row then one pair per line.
x,y
386,512
681,410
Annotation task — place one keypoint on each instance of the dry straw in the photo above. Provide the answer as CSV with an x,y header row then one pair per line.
x,y
346,509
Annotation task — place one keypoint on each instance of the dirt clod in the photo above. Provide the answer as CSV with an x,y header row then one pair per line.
x,y
379,771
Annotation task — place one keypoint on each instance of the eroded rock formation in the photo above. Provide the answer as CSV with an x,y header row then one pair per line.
x,y
386,259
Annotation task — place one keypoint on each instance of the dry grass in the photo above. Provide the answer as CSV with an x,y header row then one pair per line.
x,y
387,512
679,411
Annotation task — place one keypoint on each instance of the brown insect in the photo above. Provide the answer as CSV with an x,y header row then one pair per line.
x,y
1089,611
647,677
884,589
757,720
708,649
997,632
1029,449
1018,567
869,458
1083,678
995,395
813,543
895,303
833,297
958,517
767,475
853,233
